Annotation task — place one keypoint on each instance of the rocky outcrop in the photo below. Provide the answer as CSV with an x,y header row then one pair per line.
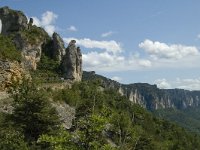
x,y
72,62
12,21
30,52
58,47
66,114
9,71
27,38
32,41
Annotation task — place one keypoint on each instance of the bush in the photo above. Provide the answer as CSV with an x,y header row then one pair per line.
x,y
8,49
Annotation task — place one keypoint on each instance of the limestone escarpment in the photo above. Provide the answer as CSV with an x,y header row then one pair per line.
x,y
72,62
149,96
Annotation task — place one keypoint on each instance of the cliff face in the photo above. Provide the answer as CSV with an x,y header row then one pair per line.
x,y
12,21
149,96
32,41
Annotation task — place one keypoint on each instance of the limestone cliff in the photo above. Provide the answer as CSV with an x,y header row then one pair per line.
x,y
149,96
72,62
27,38
33,41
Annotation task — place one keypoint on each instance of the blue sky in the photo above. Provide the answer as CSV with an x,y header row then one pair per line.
x,y
153,41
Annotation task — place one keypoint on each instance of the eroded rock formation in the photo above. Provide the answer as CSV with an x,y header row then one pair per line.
x,y
58,47
72,62
12,21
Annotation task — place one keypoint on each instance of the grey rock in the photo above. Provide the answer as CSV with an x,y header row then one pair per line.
x,y
72,62
12,21
58,47
30,52
66,114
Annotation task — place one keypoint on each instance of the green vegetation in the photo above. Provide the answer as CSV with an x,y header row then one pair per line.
x,y
48,70
104,120
188,118
34,35
8,50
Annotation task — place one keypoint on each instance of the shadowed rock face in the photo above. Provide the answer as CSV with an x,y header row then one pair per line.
x,y
72,62
58,47
12,21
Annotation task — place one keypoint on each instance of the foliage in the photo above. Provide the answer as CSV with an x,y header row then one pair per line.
x,y
187,118
61,141
104,115
104,120
48,70
34,35
32,113
8,49
10,139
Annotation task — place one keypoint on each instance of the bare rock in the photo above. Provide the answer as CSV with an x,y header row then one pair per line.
x,y
66,114
9,71
12,21
30,52
58,47
72,62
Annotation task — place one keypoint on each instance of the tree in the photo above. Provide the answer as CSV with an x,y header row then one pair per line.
x,y
10,139
33,113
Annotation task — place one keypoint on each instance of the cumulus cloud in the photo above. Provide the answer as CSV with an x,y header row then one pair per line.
x,y
144,62
106,34
72,28
187,83
158,50
116,78
162,83
0,25
47,21
102,61
109,46
110,58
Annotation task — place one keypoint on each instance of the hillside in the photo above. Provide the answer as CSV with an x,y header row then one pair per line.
x,y
51,105
149,96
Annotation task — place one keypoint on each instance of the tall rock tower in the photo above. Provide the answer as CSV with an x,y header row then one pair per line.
x,y
72,62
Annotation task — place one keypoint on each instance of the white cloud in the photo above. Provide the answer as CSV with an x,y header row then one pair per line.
x,y
48,18
103,61
158,50
110,58
162,83
109,46
107,34
0,25
187,83
116,78
144,63
47,21
72,28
